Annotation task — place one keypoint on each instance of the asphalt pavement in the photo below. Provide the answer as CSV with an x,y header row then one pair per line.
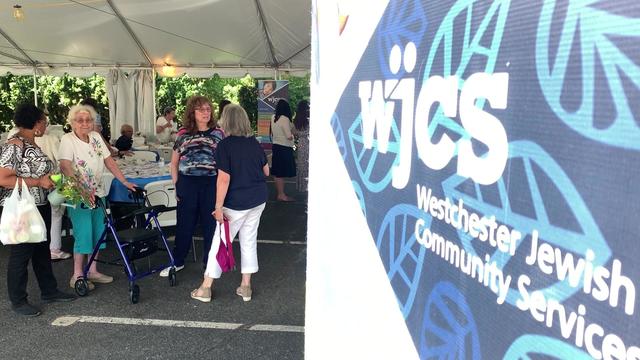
x,y
167,323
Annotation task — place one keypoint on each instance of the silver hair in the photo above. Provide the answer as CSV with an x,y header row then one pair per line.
x,y
78,109
235,122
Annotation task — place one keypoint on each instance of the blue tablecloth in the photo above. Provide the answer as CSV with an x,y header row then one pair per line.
x,y
119,193
137,171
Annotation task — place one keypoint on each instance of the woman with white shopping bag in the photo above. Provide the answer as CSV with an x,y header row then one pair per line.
x,y
23,164
49,143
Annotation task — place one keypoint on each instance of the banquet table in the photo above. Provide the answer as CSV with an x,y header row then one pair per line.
x,y
138,172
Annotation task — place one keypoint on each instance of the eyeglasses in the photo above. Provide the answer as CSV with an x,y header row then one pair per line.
x,y
203,109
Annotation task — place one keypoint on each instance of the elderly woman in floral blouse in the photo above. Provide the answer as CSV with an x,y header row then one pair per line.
x,y
83,152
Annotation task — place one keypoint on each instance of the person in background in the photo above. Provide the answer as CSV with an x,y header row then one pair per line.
x,y
282,162
49,145
23,160
241,195
221,106
165,126
83,151
125,141
193,171
301,122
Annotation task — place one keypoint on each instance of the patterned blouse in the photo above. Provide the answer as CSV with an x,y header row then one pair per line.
x,y
198,152
27,162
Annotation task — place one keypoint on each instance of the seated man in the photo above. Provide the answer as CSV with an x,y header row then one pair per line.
x,y
125,141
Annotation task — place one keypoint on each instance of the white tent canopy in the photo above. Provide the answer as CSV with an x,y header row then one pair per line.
x,y
198,37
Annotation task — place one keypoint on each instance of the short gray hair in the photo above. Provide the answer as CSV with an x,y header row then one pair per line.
x,y
235,122
78,109
124,127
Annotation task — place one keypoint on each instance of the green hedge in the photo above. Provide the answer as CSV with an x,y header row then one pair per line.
x,y
60,93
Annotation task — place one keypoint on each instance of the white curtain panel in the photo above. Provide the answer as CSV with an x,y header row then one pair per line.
x,y
131,100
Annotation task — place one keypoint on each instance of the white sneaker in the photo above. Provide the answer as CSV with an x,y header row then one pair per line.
x,y
165,271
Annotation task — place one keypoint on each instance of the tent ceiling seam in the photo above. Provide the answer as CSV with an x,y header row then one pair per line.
x,y
188,39
13,43
24,61
267,34
295,54
59,54
130,31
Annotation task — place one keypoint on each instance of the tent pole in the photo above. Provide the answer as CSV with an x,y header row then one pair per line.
x,y
35,85
155,106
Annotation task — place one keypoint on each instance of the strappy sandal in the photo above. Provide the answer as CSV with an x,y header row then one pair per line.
x,y
206,298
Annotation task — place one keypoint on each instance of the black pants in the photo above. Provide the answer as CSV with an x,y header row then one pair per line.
x,y
40,256
197,200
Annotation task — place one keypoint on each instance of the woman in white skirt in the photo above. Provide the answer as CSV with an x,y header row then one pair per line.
x,y
241,195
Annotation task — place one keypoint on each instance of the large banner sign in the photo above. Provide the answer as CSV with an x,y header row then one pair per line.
x,y
494,150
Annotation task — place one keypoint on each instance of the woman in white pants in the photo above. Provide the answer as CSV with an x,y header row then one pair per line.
x,y
241,195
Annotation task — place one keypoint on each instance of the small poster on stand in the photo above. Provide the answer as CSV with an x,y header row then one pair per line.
x,y
269,93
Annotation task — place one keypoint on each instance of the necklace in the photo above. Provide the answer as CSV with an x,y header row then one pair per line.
x,y
30,140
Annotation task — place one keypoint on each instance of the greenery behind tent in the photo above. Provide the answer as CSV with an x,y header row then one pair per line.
x,y
58,94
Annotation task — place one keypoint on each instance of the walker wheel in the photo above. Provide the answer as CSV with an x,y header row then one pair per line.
x,y
172,277
134,294
81,287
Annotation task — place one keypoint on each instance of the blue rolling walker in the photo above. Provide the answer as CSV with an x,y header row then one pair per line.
x,y
135,243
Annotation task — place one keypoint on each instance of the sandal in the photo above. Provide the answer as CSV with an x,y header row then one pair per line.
x,y
59,255
206,298
100,278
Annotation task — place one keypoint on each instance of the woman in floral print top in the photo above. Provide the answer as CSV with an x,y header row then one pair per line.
x,y
83,151
21,159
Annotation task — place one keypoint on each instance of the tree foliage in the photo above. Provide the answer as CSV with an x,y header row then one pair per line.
x,y
175,91
55,93
58,93
298,89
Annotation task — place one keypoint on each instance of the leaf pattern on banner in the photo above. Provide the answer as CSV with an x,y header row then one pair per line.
x,y
569,240
336,126
406,21
590,70
401,254
472,49
369,161
448,329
